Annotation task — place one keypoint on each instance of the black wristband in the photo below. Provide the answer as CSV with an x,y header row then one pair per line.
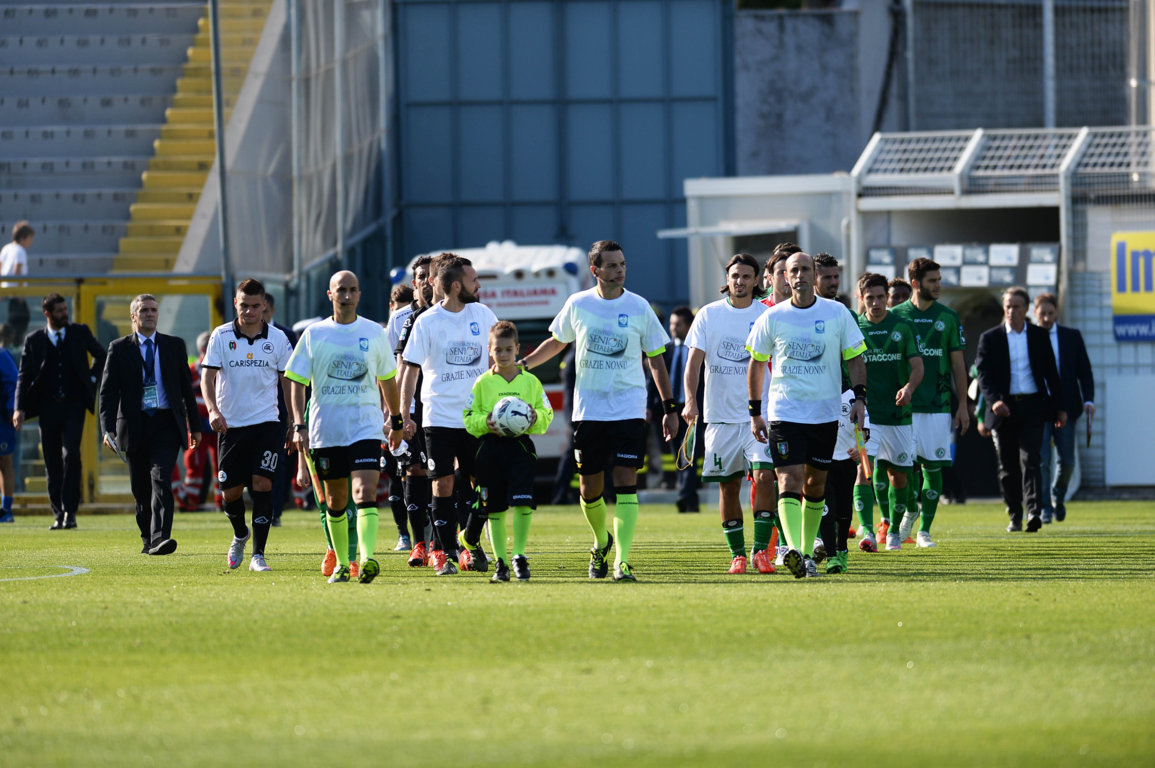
x,y
860,392
299,427
670,406
755,407
396,422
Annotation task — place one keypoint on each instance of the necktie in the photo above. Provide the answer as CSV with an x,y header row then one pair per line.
x,y
679,370
149,363
59,337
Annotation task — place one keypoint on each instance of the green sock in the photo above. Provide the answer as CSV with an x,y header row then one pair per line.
x,y
625,522
595,512
736,538
367,531
882,494
521,520
864,506
339,535
811,520
325,525
351,516
782,537
497,536
898,498
763,529
931,491
790,513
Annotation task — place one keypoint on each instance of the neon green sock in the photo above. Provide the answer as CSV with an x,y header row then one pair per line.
x,y
763,529
931,492
351,516
521,519
367,531
811,520
339,535
882,494
625,523
790,513
864,506
595,512
736,538
497,536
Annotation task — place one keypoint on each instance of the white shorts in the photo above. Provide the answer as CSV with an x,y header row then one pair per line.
x,y
730,451
932,439
893,444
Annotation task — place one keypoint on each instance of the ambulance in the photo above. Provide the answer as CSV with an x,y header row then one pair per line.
x,y
527,285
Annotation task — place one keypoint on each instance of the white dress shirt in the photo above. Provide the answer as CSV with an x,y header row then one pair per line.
x,y
1022,382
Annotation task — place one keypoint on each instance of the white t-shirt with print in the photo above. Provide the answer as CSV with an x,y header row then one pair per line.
x,y
808,346
452,349
611,337
343,362
250,372
720,331
12,256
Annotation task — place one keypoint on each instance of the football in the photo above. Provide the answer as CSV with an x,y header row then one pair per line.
x,y
512,416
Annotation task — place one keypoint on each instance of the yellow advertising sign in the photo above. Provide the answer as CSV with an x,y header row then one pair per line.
x,y
1133,285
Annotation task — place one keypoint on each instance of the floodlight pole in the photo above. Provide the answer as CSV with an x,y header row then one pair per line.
x,y
219,130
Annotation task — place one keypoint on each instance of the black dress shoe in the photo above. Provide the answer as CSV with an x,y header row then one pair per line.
x,y
166,547
1014,527
70,521
57,525
1034,523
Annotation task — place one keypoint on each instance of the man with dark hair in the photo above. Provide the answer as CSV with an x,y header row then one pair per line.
x,y
1078,386
57,383
1021,386
613,328
448,345
677,357
941,342
897,291
148,413
809,337
243,369
717,339
14,261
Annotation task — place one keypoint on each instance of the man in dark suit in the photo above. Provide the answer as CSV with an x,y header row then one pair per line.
x,y
147,409
677,356
1078,398
1020,383
57,383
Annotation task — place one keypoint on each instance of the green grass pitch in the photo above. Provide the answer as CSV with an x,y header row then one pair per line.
x,y
991,650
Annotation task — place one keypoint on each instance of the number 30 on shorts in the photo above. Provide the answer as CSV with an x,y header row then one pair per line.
x,y
269,461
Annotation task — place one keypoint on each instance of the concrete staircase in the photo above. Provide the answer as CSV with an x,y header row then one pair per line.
x,y
185,150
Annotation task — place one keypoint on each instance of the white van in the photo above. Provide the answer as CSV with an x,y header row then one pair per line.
x,y
527,285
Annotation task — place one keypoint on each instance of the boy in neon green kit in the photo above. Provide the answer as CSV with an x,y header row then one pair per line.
x,y
505,465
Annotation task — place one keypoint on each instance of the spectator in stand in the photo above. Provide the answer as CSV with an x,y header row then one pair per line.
x,y
14,261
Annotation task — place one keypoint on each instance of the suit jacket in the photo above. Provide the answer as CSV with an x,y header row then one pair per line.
x,y
122,390
994,370
654,400
1078,385
31,394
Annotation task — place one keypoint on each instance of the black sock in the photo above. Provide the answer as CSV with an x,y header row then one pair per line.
x,y
262,519
417,505
476,525
400,513
235,512
445,525
828,532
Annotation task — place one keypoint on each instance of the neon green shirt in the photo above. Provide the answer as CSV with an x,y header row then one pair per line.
x,y
491,387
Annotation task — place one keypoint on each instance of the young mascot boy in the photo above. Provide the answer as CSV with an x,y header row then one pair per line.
x,y
505,465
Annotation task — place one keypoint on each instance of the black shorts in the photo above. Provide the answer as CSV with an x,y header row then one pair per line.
x,y
248,451
340,460
793,443
443,445
414,456
602,445
505,468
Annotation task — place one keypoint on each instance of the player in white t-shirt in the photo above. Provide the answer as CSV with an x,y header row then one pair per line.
x,y
808,337
449,343
718,338
347,361
612,329
243,365
14,261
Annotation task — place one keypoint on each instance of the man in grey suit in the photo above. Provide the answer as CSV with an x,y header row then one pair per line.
x,y
147,410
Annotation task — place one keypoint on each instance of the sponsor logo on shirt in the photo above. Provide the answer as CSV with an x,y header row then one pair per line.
x,y
804,350
462,353
347,369
732,349
605,343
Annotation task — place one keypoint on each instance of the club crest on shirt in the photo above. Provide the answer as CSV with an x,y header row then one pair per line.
x,y
363,343
475,329
623,320
820,326
896,336
267,347
939,326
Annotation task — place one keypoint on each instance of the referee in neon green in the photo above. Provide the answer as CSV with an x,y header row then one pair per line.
x,y
504,466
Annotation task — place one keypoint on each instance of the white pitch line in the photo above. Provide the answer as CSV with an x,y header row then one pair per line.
x,y
73,570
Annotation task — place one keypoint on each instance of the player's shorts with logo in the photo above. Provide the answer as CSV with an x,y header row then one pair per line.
x,y
602,445
932,438
339,460
892,443
793,443
505,468
248,451
443,445
731,450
